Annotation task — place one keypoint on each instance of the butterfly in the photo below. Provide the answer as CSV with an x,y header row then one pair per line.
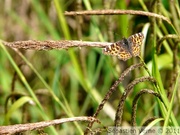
x,y
125,48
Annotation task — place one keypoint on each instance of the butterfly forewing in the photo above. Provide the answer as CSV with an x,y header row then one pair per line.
x,y
135,41
112,49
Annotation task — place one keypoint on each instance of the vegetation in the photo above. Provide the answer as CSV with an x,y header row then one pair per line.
x,y
54,84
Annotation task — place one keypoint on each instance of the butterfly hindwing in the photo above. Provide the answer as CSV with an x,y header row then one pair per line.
x,y
124,53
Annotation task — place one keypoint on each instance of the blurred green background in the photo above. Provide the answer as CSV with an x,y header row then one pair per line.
x,y
67,83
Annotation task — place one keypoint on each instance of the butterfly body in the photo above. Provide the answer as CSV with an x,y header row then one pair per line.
x,y
125,48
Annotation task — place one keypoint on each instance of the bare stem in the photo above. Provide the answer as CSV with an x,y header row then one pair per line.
x,y
51,44
117,12
38,125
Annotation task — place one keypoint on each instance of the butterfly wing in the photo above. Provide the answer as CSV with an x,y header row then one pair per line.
x,y
125,48
135,42
118,49
112,49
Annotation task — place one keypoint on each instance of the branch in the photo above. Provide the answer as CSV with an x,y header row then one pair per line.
x,y
51,44
38,125
117,12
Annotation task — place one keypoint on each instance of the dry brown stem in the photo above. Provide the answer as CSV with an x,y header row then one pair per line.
x,y
38,125
50,44
117,12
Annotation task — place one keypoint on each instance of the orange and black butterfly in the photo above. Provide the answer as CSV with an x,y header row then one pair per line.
x,y
125,48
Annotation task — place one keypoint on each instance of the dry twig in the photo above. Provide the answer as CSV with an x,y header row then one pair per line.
x,y
135,100
38,125
111,90
50,44
117,12
126,92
